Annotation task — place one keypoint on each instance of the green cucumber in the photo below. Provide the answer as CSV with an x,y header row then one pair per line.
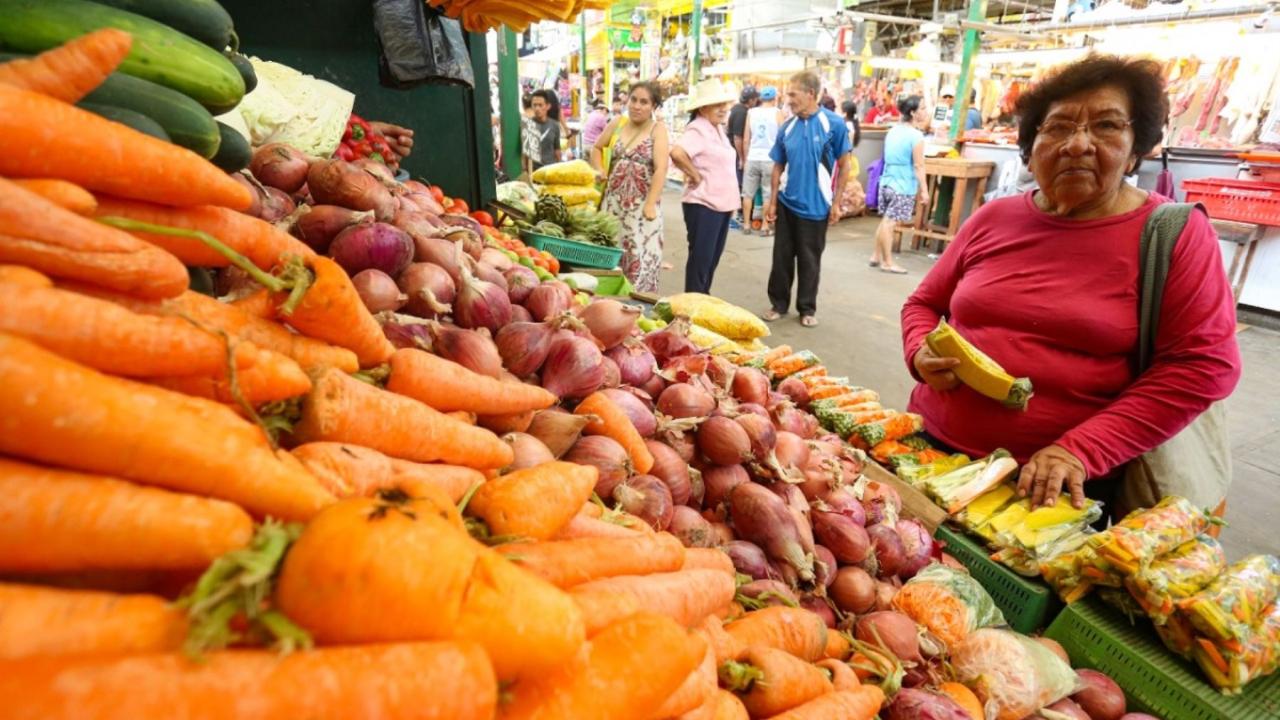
x,y
125,116
187,123
159,54
204,20
234,152
245,68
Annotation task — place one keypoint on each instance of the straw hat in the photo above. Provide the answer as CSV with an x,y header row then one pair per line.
x,y
710,92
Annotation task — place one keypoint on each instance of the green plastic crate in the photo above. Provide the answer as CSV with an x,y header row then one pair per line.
x,y
1028,605
572,252
1155,680
614,286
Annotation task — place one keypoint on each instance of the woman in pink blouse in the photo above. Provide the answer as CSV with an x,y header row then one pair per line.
x,y
709,163
1046,283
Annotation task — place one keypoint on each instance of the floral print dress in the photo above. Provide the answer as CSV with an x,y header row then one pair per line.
x,y
641,240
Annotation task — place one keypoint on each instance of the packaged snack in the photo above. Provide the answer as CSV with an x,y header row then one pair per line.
x,y
949,602
1234,603
1176,576
1012,675
1145,535
955,489
1258,654
1073,574
572,172
1177,634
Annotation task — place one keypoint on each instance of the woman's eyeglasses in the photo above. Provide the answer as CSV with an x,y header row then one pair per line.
x,y
1102,130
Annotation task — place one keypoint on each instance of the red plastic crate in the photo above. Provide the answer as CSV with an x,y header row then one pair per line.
x,y
1239,200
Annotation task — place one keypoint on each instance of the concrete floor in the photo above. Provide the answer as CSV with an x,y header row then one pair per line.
x,y
859,336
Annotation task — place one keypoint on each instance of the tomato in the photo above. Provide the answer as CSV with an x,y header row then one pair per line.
x,y
436,193
554,263
459,207
483,218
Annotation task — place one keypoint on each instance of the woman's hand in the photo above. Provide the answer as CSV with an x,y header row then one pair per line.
x,y
937,372
1048,472
693,180
923,197
650,211
400,139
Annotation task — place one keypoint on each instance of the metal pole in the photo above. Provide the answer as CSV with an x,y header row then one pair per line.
x,y
972,39
585,96
696,34
512,112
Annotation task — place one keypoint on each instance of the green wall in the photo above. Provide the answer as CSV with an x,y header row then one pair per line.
x,y
334,40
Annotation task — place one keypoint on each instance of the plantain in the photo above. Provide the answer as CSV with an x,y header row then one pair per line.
x,y
977,370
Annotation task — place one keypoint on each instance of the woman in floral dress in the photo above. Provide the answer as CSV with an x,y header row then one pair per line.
x,y
635,174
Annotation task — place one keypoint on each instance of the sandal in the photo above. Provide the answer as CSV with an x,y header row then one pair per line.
x,y
809,321
771,315
894,270
874,264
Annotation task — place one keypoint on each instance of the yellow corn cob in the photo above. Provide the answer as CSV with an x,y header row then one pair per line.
x,y
977,370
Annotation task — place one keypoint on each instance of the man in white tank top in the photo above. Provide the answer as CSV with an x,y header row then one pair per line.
x,y
758,139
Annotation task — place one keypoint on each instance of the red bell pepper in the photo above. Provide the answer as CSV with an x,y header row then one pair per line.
x,y
483,218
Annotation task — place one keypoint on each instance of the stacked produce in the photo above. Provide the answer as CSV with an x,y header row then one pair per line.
x,y
360,141
484,15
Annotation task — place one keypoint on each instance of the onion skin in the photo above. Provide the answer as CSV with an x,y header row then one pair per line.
x,y
824,566
1072,710
612,376
573,369
429,290
749,559
918,704
684,446
889,552
763,518
445,253
404,334
793,420
255,190
378,291
481,304
605,455
750,386
820,607
335,182
881,502
790,450
671,341
635,362
769,593
280,166
720,481
846,540
641,417
841,501
896,632
372,245
723,534
796,391
610,321
496,259
529,451
320,224
853,590
549,299
490,274
671,469
691,528
519,314
917,544
648,498
761,434
1101,698
520,283
276,205
683,400
523,346
799,508
723,441
557,429
885,593
473,350
654,386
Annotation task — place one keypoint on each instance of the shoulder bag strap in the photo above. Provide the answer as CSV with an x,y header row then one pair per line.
x,y
1159,236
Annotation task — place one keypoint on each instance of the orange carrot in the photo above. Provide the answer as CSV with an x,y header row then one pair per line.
x,y
591,509
97,154
965,698
503,424
842,676
61,193
144,434
860,704
61,244
340,581
795,630
534,502
811,373
72,70
627,671
725,645
59,520
23,276
599,610
565,563
838,646
38,621
263,243
708,559
351,470
387,681
609,420
775,354
464,417
770,681
585,526
687,596
448,386
269,378
331,310
695,691
343,409
722,705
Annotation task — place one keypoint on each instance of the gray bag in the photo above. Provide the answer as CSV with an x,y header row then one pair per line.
x,y
1195,463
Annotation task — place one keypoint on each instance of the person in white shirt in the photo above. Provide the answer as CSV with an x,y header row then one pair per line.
x,y
758,140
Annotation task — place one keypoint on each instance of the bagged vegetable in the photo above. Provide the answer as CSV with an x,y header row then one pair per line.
x,y
713,313
1177,634
1043,533
709,340
1234,603
1176,576
1145,535
573,194
1011,673
949,602
1073,574
957,488
917,473
1232,667
573,172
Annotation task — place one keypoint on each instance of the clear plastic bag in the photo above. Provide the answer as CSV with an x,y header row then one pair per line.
x,y
1145,535
1232,666
1231,605
1011,673
949,602
1176,576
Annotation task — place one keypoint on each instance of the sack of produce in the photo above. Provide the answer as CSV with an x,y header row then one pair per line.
x,y
573,194
713,313
573,172
1160,586
1230,667
949,602
1011,673
711,341
1234,602
1145,535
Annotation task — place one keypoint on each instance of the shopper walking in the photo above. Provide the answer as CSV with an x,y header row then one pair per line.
x,y
737,128
902,184
634,178
811,147
707,159
595,123
761,134
544,131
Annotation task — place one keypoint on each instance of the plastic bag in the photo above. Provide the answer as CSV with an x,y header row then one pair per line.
x,y
949,602
1258,654
1234,603
573,194
1011,673
1145,535
420,46
1073,574
713,313
574,172
1176,576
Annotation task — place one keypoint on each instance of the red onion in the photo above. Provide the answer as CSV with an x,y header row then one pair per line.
x,y
429,290
378,291
795,390
820,607
519,314
520,283
1101,698
641,417
721,372
881,502
824,566
648,498
336,182
379,170
403,332
761,434
751,386
683,444
891,631
750,409
442,252
416,223
769,593
889,552
720,480
610,321
606,456
841,501
472,350
918,546
842,536
475,244
723,441
557,429
276,205
685,401
1069,709
913,703
279,166
481,304
790,451
787,417
255,190
853,590
549,300
489,274
612,376
497,259
573,368
749,559
671,469
635,362
671,341
529,451
524,346
372,245
692,529
653,386
320,224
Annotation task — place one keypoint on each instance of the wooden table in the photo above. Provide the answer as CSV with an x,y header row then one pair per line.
x,y
1245,237
921,228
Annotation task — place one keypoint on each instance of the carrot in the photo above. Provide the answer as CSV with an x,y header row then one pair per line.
x,y
144,434
770,681
565,563
842,676
609,420
965,698
627,671
855,405
726,647
269,378
775,354
894,427
697,689
838,646
38,621
351,470
509,423
585,526
448,386
591,509
687,596
390,568
809,373
61,193
722,705
395,680
331,310
534,502
599,610
860,704
97,154
39,234
72,70
263,243
795,630
23,276
59,520
340,408
708,559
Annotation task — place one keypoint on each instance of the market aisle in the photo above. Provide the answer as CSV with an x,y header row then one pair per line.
x,y
859,334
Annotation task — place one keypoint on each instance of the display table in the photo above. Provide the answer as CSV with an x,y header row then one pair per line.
x,y
935,169
1245,237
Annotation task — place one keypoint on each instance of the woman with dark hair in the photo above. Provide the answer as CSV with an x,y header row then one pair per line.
x,y
853,201
709,163
902,184
1047,284
850,109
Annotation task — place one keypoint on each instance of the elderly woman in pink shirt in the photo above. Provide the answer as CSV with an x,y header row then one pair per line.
x,y
709,163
